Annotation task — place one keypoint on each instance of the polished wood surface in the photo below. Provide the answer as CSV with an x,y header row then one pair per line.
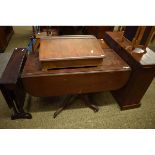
x,y
111,75
13,68
70,51
131,94
143,71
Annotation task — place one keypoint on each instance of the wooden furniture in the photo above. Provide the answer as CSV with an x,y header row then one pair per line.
x,y
97,31
140,36
45,31
87,98
10,82
113,74
143,71
123,72
70,51
5,34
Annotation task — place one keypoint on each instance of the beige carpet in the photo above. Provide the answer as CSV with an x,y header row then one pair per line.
x,y
77,116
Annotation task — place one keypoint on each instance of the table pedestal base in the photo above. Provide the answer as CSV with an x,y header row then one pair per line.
x,y
69,100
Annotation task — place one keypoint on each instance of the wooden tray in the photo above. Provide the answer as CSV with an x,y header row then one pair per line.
x,y
70,51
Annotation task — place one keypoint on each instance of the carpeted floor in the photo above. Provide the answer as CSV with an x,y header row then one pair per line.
x,y
77,116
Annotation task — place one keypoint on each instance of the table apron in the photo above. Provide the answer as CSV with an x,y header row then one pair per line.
x,y
58,85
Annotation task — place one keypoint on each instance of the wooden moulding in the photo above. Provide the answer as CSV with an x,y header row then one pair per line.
x,y
70,51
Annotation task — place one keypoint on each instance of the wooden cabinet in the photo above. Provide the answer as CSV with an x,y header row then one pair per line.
x,y
97,31
5,35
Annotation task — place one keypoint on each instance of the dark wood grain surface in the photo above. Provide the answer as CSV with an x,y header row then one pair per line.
x,y
66,51
12,70
69,47
111,75
143,71
112,61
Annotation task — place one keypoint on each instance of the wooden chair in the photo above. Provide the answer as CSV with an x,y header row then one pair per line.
x,y
140,36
